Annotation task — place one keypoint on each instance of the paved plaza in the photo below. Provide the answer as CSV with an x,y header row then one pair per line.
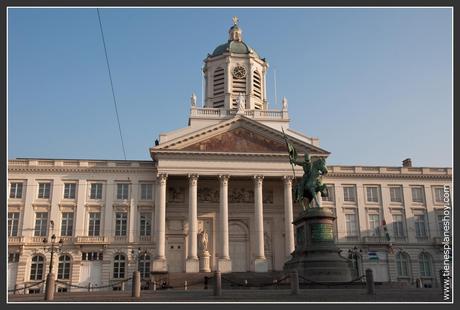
x,y
247,295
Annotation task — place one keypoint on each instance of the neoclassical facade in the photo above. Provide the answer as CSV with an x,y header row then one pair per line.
x,y
225,176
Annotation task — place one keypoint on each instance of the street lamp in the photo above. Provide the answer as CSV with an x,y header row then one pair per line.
x,y
51,247
354,254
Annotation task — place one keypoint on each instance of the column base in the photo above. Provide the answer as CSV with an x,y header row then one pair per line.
x,y
159,264
224,265
204,262
192,265
260,265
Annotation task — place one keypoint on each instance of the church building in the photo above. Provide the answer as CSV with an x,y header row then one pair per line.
x,y
217,195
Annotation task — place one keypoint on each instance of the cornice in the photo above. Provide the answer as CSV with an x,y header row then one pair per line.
x,y
388,176
54,169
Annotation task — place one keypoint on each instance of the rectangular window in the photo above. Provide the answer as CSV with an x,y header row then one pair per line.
x,y
439,195
374,225
96,191
146,191
420,228
121,222
67,224
41,224
91,256
398,231
351,225
94,224
441,224
396,194
372,194
122,191
16,190
330,193
44,190
349,193
417,194
146,224
69,190
13,223
13,257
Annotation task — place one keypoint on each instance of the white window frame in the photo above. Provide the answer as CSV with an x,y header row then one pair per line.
x,y
41,224
346,193
121,223
145,221
374,225
351,231
398,226
69,188
435,196
94,223
122,191
64,267
403,265
98,190
393,195
425,264
13,223
146,194
67,219
420,199
17,189
371,196
119,266
420,231
44,190
37,265
331,192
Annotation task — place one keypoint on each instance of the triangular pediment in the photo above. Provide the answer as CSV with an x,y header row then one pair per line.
x,y
237,135
239,140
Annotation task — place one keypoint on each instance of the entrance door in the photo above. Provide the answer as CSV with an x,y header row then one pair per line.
x,y
175,256
12,271
238,246
91,272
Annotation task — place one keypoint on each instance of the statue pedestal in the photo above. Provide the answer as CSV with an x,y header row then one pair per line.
x,y
191,265
204,262
316,256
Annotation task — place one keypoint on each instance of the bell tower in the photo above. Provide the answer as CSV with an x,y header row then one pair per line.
x,y
233,70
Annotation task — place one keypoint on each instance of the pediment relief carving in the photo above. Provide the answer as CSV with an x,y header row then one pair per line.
x,y
238,140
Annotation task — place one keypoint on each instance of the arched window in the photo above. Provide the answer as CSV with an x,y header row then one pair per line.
x,y
403,264
425,264
119,266
64,267
144,266
36,268
218,88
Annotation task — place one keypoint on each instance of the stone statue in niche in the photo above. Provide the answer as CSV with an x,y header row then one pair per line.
x,y
203,237
176,194
207,194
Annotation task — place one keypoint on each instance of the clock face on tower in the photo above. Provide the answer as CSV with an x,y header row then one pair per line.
x,y
239,72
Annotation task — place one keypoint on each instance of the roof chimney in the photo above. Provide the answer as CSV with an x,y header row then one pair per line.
x,y
407,162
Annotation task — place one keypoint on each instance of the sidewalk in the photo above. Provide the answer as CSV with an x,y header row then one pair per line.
x,y
280,295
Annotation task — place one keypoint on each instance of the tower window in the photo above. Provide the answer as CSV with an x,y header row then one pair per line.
x,y
257,88
218,88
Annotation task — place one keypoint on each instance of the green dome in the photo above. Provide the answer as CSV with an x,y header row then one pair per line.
x,y
234,47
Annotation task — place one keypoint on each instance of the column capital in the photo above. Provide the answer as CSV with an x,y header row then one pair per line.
x,y
161,177
258,179
287,179
193,178
224,178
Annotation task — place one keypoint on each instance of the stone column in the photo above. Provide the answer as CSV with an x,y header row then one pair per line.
x,y
228,85
260,262
80,210
288,217
224,263
192,263
132,235
28,220
159,263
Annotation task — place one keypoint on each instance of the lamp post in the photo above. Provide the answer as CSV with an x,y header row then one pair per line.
x,y
354,254
136,289
51,247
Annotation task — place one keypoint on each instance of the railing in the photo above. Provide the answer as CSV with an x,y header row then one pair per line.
x,y
15,240
375,240
91,240
220,113
120,239
145,238
36,239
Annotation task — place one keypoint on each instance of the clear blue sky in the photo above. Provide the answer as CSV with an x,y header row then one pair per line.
x,y
374,85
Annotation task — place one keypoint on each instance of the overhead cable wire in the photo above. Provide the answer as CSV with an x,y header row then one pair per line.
x,y
111,82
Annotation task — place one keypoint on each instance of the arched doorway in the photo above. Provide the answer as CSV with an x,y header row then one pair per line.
x,y
238,241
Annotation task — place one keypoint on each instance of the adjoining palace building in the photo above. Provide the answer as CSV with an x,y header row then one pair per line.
x,y
227,173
